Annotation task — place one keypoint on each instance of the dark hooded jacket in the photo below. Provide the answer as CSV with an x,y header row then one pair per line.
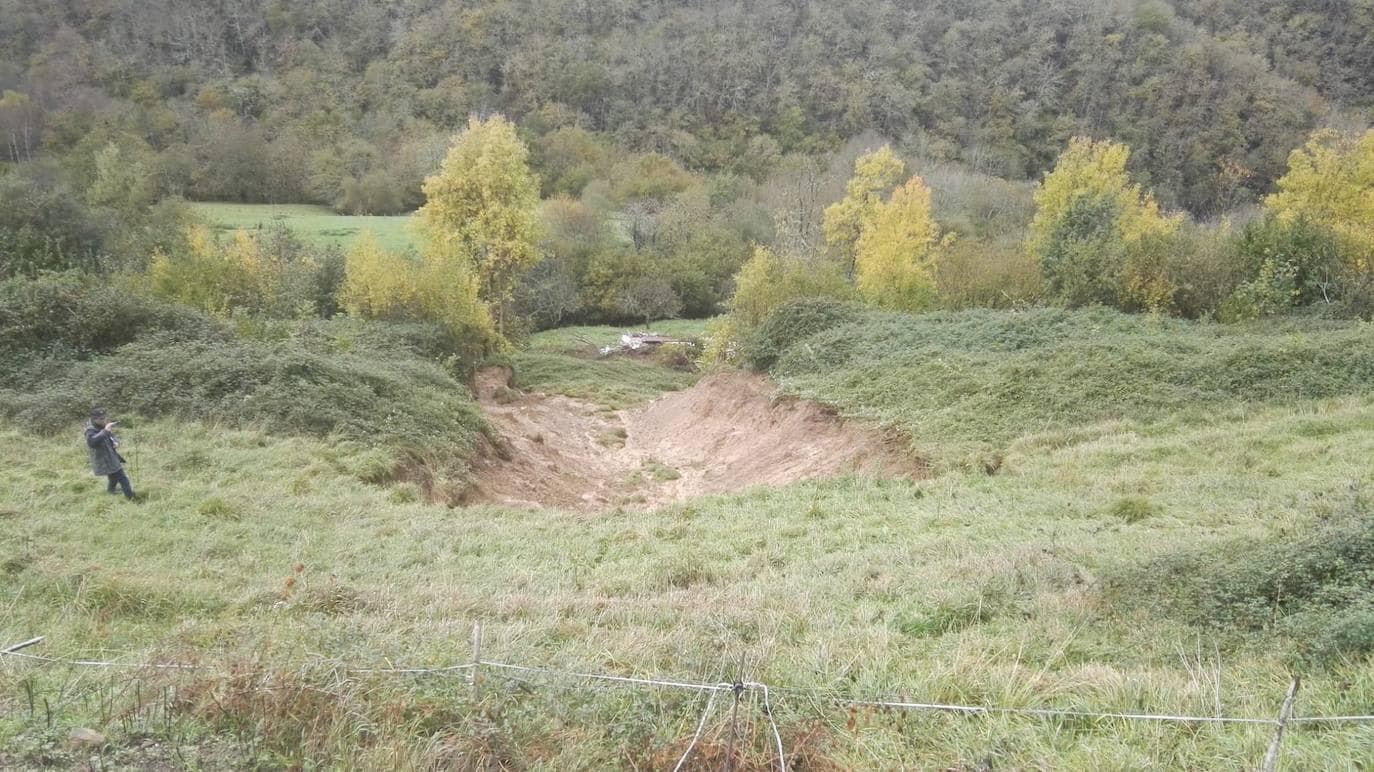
x,y
101,446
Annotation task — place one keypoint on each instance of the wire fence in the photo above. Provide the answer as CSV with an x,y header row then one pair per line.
x,y
738,688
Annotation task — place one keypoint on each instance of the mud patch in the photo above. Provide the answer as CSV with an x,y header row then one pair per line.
x,y
729,432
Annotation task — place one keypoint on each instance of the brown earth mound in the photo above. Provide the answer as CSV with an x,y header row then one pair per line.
x,y
729,432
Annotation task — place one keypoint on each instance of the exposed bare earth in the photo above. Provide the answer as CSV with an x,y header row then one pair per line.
x,y
729,432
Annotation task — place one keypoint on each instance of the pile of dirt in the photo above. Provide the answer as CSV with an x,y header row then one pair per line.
x,y
729,432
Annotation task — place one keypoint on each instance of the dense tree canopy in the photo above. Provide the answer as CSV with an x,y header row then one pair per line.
x,y
479,212
350,103
895,256
653,146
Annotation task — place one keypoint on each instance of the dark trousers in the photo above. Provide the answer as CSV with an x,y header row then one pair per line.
x,y
121,480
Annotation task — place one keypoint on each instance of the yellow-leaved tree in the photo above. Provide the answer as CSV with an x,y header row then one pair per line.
x,y
379,284
1097,236
216,276
763,283
895,254
875,173
1330,182
479,216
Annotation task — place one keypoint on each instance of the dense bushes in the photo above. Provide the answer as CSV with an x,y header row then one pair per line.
x,y
70,343
388,286
271,274
978,379
77,315
762,286
289,385
793,321
1316,588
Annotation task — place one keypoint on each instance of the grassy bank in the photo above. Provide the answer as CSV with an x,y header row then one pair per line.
x,y
973,385
274,558
1168,518
67,344
314,224
566,361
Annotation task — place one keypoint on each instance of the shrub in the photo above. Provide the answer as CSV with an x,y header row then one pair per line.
x,y
1286,263
70,342
77,315
1099,237
1329,182
44,224
677,356
1316,588
793,321
216,277
379,284
762,285
270,273
1205,267
369,395
1083,259
1133,509
970,274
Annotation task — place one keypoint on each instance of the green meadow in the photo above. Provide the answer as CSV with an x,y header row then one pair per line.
x,y
567,361
1186,553
314,224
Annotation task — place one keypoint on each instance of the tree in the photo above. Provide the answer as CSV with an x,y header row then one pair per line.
x,y
122,181
572,232
765,282
895,255
650,298
479,213
875,173
569,158
548,293
1096,234
19,126
1083,258
1330,182
649,177
378,284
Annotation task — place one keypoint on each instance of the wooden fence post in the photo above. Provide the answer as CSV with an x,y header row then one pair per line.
x,y
1271,759
476,657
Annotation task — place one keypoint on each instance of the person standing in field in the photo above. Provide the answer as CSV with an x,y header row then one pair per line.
x,y
102,445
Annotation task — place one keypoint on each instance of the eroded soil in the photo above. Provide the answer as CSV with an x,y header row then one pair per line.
x,y
729,432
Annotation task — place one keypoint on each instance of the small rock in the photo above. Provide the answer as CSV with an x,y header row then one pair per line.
x,y
88,738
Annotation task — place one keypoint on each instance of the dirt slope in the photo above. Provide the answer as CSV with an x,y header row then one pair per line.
x,y
729,432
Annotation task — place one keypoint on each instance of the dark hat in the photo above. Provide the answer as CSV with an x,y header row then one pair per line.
x,y
97,413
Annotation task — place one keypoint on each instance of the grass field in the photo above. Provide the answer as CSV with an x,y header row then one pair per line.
x,y
564,361
967,384
315,224
269,559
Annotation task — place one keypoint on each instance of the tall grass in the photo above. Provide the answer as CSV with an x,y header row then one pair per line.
x,y
275,558
1128,452
968,383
